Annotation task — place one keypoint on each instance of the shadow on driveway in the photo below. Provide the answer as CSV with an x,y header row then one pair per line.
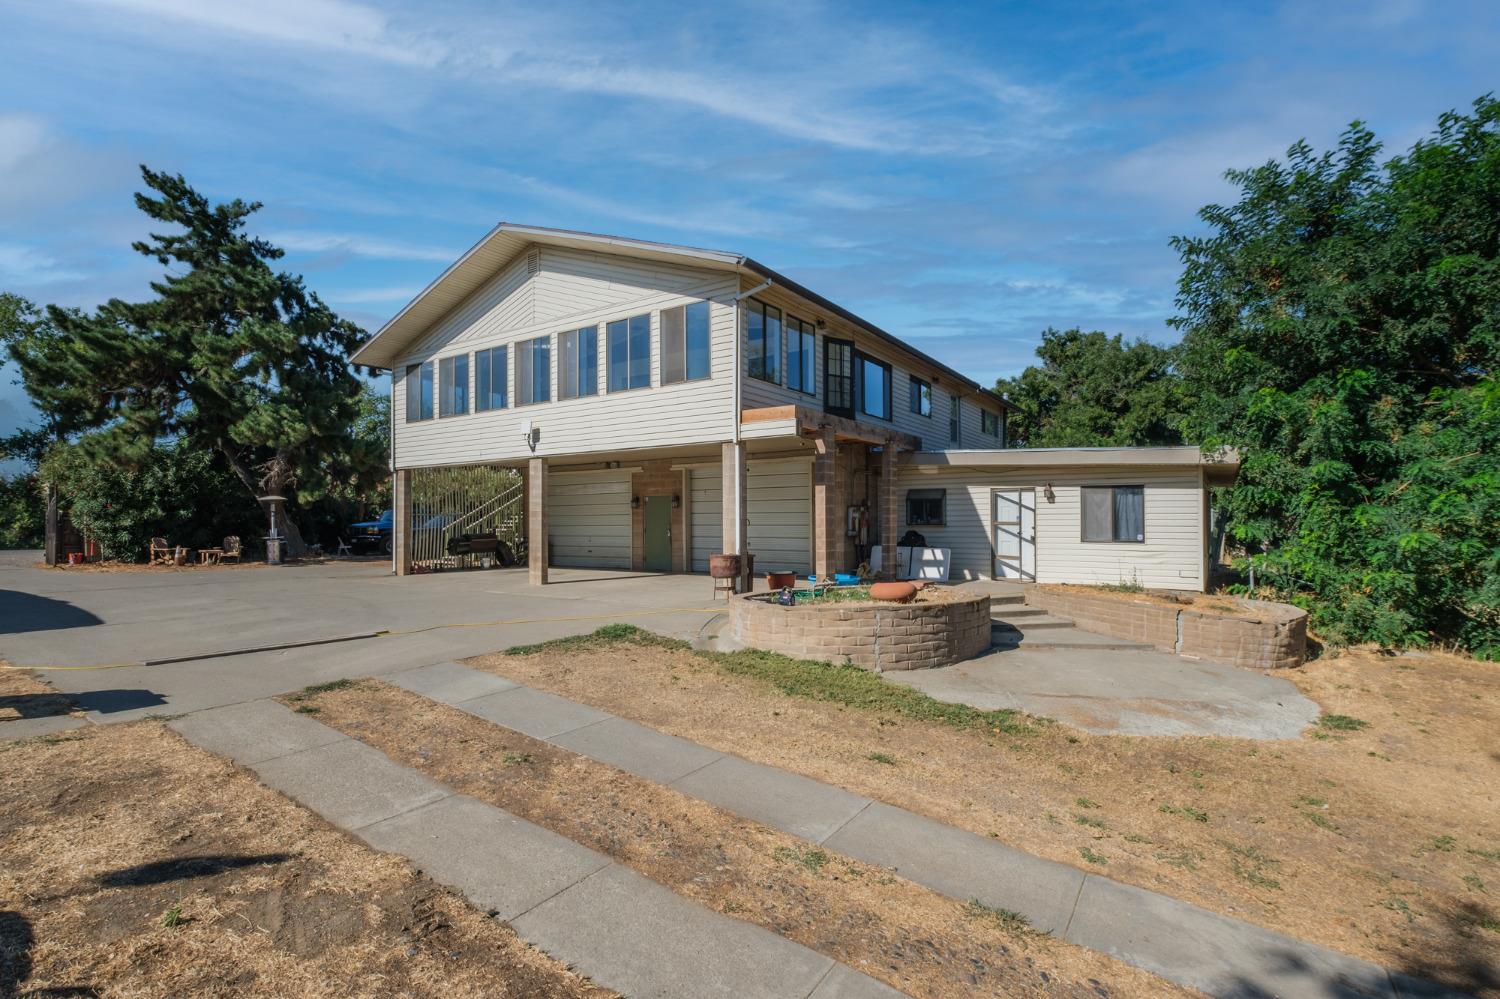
x,y
109,701
21,612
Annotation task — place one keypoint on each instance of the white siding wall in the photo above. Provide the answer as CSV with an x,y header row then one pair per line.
x,y
779,509
570,290
588,519
933,430
707,529
1171,557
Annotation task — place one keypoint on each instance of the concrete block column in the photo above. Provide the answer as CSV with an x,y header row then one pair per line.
x,y
536,520
401,521
735,514
827,526
888,510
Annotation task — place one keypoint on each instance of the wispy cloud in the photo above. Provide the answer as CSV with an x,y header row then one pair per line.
x,y
361,246
22,265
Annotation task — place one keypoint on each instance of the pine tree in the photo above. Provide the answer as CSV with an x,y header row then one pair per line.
x,y
230,356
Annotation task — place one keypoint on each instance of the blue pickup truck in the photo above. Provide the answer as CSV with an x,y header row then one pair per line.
x,y
372,535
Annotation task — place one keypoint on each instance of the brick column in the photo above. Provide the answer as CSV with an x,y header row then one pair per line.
x,y
401,521
888,511
536,519
827,526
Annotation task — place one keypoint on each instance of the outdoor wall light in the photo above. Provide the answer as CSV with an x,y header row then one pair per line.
x,y
676,501
635,502
1047,492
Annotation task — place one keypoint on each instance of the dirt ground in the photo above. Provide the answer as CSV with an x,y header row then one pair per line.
x,y
133,864
22,695
1212,603
913,939
1377,833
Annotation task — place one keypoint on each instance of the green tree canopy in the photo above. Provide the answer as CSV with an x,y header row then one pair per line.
x,y
1341,326
230,356
1091,390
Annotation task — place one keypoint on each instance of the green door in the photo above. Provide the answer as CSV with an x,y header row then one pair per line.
x,y
658,540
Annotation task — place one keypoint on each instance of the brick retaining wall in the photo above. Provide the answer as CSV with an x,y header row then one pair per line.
x,y
1275,638
874,636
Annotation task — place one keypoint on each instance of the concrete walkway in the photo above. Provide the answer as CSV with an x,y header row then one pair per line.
x,y
1122,692
1183,943
623,930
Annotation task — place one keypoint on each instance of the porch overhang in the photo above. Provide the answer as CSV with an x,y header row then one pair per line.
x,y
1219,467
806,421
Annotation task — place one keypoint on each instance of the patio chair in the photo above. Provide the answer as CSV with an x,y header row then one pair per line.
x,y
231,549
161,553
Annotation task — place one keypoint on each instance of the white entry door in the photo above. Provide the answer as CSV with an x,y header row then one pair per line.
x,y
1015,533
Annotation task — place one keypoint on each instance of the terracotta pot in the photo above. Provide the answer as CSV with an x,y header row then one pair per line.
x,y
776,580
899,593
921,584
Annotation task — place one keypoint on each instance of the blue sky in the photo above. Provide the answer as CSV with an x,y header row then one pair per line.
x,y
963,175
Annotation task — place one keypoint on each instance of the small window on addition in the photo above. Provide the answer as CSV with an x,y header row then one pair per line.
x,y
418,392
453,386
989,423
1114,514
926,507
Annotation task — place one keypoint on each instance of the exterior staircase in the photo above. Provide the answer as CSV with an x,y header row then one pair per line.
x,y
1014,625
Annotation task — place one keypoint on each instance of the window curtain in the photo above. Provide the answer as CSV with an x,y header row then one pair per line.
x,y
1130,513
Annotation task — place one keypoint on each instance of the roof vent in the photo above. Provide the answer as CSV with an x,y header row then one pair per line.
x,y
533,261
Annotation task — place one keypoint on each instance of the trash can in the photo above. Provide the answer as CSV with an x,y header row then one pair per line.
x,y
273,551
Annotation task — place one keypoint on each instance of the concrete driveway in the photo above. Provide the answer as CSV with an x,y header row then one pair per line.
x,y
88,619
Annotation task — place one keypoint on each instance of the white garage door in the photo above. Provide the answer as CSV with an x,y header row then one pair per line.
x,y
588,519
780,503
707,506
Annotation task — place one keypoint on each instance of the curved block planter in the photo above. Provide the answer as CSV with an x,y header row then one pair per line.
x,y
1273,637
873,635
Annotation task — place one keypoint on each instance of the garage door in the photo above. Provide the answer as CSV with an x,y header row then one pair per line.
x,y
588,519
707,506
780,506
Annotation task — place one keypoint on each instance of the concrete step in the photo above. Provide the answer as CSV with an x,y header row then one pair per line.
x,y
1031,623
1059,638
1017,611
1007,599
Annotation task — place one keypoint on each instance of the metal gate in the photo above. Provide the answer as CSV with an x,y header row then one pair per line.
x,y
456,511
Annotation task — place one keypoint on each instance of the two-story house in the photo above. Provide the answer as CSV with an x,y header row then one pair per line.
x,y
665,403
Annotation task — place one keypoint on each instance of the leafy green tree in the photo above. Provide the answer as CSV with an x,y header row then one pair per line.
x,y
1095,390
230,356
1341,325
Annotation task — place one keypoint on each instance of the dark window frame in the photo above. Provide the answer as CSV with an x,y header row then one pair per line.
x,y
807,336
846,380
987,416
1113,539
925,519
955,416
770,347
861,359
920,389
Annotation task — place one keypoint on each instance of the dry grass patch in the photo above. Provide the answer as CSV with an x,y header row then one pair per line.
x,y
22,695
921,942
133,864
1381,841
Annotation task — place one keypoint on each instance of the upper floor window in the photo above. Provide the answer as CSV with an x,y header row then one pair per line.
x,y
801,342
989,423
578,363
763,341
490,379
1113,513
629,349
684,343
838,376
921,397
453,386
872,387
418,392
534,371
953,424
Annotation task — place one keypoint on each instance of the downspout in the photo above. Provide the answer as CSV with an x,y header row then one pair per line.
x,y
739,374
